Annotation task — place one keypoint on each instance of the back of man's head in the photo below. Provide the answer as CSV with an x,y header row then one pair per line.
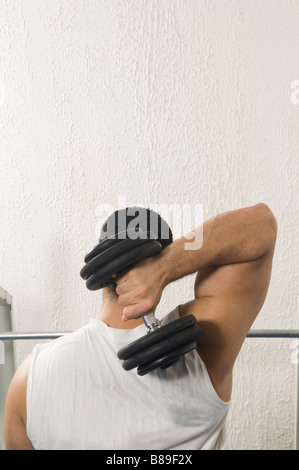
x,y
132,222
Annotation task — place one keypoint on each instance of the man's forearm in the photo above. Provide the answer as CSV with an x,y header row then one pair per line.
x,y
232,237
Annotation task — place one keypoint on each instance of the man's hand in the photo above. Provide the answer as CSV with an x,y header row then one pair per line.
x,y
140,289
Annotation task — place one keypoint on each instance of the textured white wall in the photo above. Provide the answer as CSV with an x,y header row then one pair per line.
x,y
158,101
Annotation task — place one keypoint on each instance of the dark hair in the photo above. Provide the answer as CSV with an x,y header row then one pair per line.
x,y
121,223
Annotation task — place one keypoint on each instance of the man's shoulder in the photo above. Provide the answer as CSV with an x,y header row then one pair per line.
x,y
15,406
61,351
18,385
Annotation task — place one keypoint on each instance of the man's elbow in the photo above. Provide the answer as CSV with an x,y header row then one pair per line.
x,y
268,226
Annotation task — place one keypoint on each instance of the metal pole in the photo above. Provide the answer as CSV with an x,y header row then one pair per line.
x,y
273,334
11,336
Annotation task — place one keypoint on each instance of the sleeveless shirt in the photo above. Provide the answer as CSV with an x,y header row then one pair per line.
x,y
80,397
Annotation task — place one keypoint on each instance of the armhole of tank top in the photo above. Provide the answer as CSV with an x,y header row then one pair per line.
x,y
208,382
176,314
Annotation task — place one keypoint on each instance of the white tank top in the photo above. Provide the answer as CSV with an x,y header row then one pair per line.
x,y
80,397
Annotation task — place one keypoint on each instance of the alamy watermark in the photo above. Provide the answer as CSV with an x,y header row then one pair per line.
x,y
295,343
295,351
2,92
185,220
295,93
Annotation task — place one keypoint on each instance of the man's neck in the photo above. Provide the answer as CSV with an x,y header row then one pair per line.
x,y
111,314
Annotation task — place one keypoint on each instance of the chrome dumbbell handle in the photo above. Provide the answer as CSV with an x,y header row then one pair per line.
x,y
151,322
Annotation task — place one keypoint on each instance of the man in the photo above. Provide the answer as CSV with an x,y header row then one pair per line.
x,y
72,393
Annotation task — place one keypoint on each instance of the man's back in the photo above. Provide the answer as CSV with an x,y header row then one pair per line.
x,y
80,397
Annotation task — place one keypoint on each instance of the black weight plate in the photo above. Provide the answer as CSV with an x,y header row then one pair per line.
x,y
167,360
106,272
111,241
99,248
111,254
154,337
162,348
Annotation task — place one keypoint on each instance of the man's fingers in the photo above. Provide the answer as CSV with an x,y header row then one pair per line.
x,y
119,280
121,288
125,299
132,311
136,310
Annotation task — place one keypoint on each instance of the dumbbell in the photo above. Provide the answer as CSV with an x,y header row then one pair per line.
x,y
163,345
